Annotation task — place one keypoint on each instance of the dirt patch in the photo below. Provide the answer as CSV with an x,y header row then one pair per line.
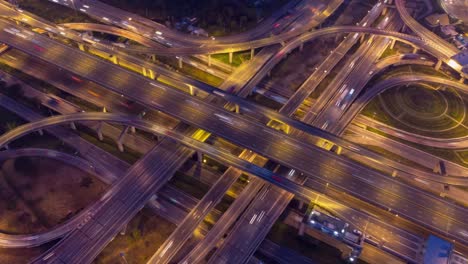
x,y
39,193
144,234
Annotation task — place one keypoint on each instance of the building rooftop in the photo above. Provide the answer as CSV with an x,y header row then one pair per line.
x,y
437,251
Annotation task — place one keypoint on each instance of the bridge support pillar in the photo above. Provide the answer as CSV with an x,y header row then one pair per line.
x,y
269,73
440,168
237,108
462,80
337,149
252,53
403,29
133,129
362,38
121,138
415,49
283,43
114,59
394,173
180,62
192,90
384,11
6,147
82,46
99,131
209,60
301,47
50,34
200,157
392,45
230,57
147,72
438,65
301,229
41,132
73,126
153,57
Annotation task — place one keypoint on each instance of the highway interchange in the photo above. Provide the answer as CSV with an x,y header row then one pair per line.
x,y
306,170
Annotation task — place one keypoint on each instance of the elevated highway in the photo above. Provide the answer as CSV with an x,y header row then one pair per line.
x,y
149,127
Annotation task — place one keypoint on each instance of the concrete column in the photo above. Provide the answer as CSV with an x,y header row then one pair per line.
x,y
50,34
252,53
438,65
415,49
362,38
41,132
114,59
150,73
200,157
72,125
143,71
133,129
283,43
180,62
392,45
337,149
209,60
192,90
99,131
301,47
384,11
237,108
301,229
230,57
394,173
301,204
82,46
462,80
153,57
121,138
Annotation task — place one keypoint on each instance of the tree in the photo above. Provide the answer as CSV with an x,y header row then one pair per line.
x,y
14,91
86,182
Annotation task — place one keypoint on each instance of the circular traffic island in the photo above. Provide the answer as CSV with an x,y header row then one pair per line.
x,y
422,109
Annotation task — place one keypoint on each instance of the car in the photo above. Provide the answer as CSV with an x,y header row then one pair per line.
x,y
39,48
277,178
76,79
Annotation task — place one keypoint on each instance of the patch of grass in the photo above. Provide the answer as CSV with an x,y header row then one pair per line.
x,y
237,58
388,52
108,145
192,71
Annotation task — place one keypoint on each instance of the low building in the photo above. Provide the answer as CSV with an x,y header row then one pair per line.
x,y
437,251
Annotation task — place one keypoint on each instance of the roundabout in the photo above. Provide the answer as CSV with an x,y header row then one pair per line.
x,y
423,109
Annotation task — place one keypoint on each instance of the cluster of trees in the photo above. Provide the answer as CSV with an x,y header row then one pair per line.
x,y
214,15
